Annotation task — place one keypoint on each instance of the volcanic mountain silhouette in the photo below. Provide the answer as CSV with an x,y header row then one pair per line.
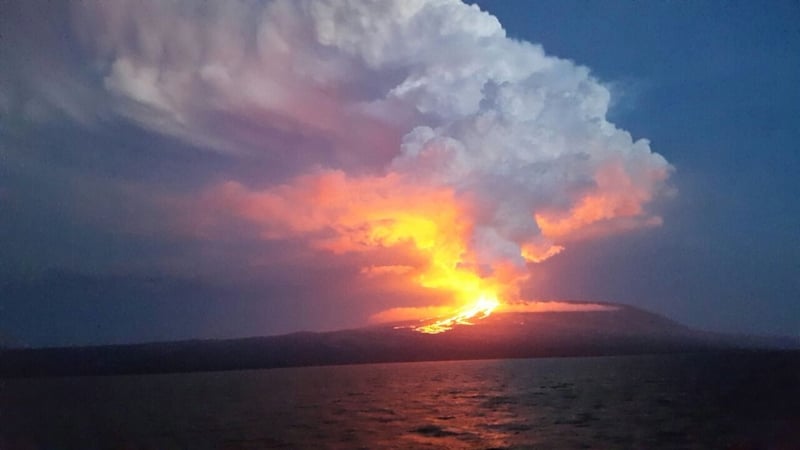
x,y
617,331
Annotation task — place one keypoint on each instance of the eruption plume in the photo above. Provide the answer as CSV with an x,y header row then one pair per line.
x,y
415,125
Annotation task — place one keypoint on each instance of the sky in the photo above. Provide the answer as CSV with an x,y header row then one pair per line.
x,y
216,170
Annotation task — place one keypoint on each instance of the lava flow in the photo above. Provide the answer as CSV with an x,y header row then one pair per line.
x,y
480,310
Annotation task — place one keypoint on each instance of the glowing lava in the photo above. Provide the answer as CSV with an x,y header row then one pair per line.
x,y
480,310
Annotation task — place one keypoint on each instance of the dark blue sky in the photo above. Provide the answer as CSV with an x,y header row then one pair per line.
x,y
88,256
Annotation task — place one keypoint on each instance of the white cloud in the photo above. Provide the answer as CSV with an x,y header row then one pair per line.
x,y
432,91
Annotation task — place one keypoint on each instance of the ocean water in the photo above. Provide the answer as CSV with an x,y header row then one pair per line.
x,y
726,400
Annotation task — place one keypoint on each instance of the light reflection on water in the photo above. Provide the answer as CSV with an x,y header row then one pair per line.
x,y
701,401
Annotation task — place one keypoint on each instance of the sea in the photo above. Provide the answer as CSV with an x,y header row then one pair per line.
x,y
732,400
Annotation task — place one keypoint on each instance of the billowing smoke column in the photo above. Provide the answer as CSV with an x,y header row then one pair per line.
x,y
393,124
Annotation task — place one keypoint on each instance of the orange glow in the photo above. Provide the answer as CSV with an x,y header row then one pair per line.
x,y
591,209
368,213
481,309
615,205
538,253
430,231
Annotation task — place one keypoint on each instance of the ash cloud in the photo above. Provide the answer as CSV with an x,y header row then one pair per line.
x,y
377,112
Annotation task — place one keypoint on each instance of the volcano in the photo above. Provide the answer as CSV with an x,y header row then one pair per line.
x,y
616,330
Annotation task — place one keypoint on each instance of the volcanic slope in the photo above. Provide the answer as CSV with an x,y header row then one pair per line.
x,y
616,331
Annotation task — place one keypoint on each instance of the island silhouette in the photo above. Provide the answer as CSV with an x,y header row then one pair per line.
x,y
620,330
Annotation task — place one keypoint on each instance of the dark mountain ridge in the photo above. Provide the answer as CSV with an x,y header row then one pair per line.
x,y
624,330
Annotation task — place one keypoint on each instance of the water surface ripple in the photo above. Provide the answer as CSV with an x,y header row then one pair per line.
x,y
733,400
